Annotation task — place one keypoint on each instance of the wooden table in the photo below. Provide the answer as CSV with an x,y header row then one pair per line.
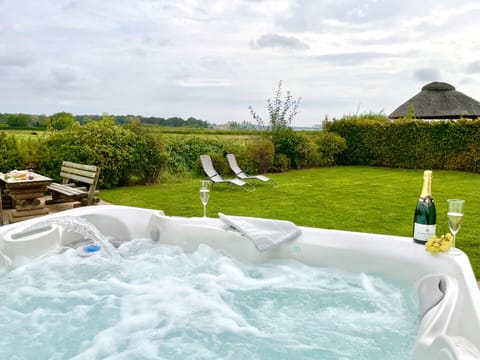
x,y
25,195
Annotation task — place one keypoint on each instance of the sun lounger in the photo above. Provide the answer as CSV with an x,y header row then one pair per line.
x,y
232,161
216,178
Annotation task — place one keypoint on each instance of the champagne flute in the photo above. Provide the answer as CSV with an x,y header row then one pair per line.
x,y
205,194
455,216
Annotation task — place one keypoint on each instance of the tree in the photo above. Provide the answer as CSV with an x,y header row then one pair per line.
x,y
61,120
244,125
17,120
281,111
291,148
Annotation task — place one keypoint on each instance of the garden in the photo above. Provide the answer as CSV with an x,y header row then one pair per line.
x,y
358,174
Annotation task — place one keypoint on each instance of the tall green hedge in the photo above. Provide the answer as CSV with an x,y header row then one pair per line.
x,y
125,155
12,156
445,144
184,154
132,154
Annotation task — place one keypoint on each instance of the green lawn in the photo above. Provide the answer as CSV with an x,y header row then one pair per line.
x,y
365,199
31,134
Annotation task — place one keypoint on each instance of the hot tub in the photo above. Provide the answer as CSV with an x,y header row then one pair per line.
x,y
445,290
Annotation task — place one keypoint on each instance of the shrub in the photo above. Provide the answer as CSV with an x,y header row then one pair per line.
x,y
281,163
219,162
184,155
124,156
11,154
294,145
256,157
151,158
329,147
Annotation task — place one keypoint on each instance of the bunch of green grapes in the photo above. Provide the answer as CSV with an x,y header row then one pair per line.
x,y
439,244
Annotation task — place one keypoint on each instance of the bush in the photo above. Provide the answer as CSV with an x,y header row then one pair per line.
x,y
329,147
256,157
281,163
151,156
11,153
184,155
124,156
294,145
220,164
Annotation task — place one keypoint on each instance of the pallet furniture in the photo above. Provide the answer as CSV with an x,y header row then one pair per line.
x,y
25,193
72,175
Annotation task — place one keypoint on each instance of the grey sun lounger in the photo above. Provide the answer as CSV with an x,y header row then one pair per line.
x,y
232,161
216,178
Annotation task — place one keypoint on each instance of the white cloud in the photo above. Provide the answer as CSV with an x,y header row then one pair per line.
x,y
473,67
64,75
427,75
14,59
279,41
353,58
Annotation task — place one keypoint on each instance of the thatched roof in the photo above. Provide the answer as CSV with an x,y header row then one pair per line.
x,y
439,100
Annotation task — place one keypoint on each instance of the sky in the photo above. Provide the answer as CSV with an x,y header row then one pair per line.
x,y
212,59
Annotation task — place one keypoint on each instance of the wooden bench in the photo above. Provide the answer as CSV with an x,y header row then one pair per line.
x,y
72,174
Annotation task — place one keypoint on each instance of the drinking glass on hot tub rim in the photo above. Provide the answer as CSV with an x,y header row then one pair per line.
x,y
205,186
455,209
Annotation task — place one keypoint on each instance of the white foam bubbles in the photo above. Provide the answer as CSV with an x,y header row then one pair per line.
x,y
158,302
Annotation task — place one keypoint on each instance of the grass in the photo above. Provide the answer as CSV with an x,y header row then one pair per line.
x,y
22,134
364,199
165,132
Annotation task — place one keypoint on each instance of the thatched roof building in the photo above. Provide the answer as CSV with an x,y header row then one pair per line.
x,y
439,100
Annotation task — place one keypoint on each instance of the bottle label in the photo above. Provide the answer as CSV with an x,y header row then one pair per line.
x,y
424,232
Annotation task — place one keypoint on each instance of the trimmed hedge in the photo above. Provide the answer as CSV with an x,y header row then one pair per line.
x,y
445,144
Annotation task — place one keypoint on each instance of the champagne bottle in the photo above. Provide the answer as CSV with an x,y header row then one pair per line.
x,y
425,218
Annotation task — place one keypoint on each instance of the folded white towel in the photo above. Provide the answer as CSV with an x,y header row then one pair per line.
x,y
264,233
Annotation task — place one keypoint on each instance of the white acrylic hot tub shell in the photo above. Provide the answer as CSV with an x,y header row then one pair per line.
x,y
27,244
450,330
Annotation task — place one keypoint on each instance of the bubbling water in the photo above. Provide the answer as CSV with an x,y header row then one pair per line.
x,y
92,240
4,261
158,302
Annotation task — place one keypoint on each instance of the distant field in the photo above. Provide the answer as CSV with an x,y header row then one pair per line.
x,y
25,134
167,132
224,134
215,134
173,132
